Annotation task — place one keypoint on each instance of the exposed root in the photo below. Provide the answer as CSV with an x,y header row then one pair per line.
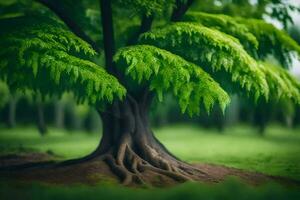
x,y
131,168
168,162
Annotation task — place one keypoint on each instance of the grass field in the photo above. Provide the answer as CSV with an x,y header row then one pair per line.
x,y
228,190
276,153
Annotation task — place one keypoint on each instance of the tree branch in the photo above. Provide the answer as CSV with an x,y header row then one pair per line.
x,y
108,35
145,26
60,12
180,9
146,23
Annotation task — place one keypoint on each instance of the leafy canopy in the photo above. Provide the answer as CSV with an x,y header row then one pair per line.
x,y
212,49
148,7
226,24
259,38
272,41
52,61
281,83
187,58
165,71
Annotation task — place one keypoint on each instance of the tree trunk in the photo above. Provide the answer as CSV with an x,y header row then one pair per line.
x,y
180,9
261,117
59,114
129,147
41,124
12,107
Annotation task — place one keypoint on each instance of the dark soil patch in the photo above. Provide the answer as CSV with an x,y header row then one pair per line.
x,y
24,158
220,173
39,167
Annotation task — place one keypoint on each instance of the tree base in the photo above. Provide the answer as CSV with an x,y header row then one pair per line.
x,y
130,148
129,166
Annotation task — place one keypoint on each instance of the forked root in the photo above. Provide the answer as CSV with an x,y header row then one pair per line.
x,y
131,168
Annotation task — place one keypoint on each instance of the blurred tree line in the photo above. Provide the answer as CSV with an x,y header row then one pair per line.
x,y
24,108
240,111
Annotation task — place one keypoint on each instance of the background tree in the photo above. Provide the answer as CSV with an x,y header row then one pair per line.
x,y
40,116
279,10
50,50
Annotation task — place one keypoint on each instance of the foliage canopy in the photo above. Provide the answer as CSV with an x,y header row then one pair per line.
x,y
165,71
195,59
52,61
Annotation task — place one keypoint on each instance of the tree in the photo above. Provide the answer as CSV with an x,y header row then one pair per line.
x,y
188,54
279,10
12,100
40,117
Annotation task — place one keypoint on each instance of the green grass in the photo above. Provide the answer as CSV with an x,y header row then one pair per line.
x,y
276,153
68,144
228,190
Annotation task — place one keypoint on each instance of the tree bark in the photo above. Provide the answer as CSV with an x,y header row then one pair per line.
x,y
145,26
41,124
180,9
262,116
12,107
59,114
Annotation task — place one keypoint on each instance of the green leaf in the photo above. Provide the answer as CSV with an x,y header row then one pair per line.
x,y
167,72
39,57
218,53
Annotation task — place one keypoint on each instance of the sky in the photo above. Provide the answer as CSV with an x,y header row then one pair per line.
x,y
296,18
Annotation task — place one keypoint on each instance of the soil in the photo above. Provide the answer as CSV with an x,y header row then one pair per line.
x,y
43,167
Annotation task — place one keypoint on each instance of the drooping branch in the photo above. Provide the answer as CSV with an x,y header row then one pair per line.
x,y
180,9
60,12
49,66
246,73
188,82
